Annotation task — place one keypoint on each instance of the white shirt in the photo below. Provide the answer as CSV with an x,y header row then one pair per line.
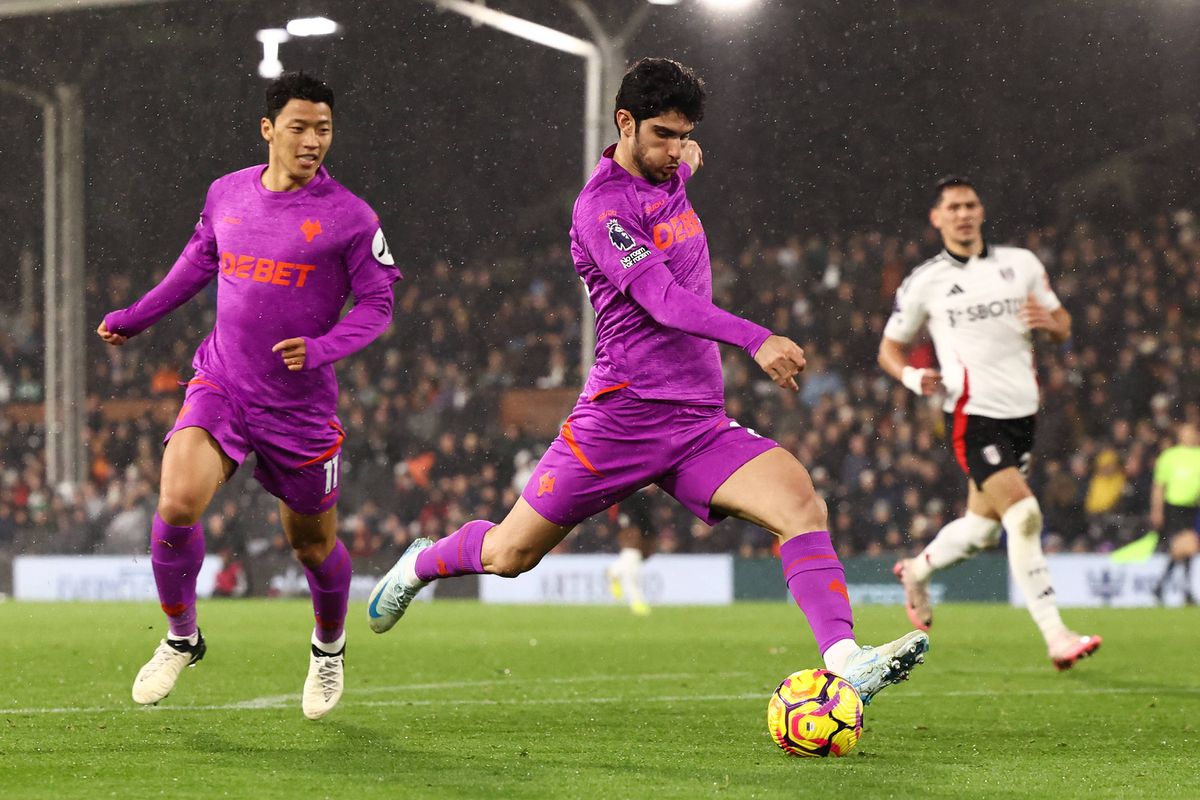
x,y
984,350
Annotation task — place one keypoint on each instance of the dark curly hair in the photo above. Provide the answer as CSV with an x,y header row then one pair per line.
x,y
654,86
296,86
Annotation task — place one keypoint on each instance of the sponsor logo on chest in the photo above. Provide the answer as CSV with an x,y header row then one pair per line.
x,y
681,227
265,270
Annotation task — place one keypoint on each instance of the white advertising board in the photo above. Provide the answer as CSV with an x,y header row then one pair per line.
x,y
581,580
1093,580
96,578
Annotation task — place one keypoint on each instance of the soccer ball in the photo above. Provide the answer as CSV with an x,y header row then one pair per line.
x,y
815,713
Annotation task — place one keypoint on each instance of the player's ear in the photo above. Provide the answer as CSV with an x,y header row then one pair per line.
x,y
267,129
626,123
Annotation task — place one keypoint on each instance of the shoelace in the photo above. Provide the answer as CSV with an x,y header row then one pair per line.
x,y
164,655
329,670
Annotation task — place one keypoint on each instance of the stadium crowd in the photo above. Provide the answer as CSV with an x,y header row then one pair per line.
x,y
427,450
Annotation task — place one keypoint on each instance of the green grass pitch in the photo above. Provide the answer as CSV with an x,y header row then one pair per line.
x,y
471,701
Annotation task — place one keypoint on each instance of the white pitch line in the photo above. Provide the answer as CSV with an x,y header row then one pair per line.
x,y
283,701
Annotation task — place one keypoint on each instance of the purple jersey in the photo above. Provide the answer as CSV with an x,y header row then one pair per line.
x,y
622,225
285,263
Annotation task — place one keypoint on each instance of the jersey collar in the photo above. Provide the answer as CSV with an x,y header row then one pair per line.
x,y
964,259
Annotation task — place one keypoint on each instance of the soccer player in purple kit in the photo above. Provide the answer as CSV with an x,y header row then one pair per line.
x,y
652,410
287,245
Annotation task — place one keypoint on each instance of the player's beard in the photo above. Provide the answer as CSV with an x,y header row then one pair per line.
x,y
648,170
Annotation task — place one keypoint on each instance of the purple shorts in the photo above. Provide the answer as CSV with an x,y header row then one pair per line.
x,y
614,445
301,469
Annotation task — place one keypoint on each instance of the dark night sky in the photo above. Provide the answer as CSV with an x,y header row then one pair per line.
x,y
467,141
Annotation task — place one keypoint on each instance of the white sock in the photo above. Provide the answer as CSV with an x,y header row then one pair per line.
x,y
192,640
629,572
332,648
1023,521
958,540
838,653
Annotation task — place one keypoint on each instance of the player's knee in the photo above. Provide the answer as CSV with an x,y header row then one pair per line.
x,y
311,554
511,561
983,533
808,511
179,508
1024,518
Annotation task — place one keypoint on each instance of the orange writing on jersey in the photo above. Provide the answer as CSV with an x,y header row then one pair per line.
x,y
676,229
265,270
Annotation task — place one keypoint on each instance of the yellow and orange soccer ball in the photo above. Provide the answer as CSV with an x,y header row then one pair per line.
x,y
815,713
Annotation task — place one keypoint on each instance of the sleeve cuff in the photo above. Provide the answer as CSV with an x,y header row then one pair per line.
x,y
315,353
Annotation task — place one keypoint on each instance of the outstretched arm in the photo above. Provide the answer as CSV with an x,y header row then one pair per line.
x,y
672,306
195,267
182,283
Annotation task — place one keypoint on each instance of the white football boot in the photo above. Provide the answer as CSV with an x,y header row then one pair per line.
x,y
157,677
325,681
872,668
391,596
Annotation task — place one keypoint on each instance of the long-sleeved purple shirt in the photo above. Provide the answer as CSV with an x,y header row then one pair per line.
x,y
643,254
285,263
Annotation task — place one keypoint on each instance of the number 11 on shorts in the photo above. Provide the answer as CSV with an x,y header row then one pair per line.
x,y
331,473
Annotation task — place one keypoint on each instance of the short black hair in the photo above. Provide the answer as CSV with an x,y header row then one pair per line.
x,y
654,86
949,182
296,86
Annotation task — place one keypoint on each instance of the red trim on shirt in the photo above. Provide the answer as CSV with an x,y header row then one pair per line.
x,y
203,382
608,389
960,424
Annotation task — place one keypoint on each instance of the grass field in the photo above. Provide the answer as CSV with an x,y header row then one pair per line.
x,y
471,701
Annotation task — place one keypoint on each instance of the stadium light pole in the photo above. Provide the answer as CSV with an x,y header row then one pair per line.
x,y
604,59
62,277
49,263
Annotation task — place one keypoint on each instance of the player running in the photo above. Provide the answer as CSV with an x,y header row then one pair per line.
x,y
288,245
1174,504
652,410
637,543
982,304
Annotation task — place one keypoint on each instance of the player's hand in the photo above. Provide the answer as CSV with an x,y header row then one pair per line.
x,y
293,352
922,381
1035,316
110,337
782,359
692,155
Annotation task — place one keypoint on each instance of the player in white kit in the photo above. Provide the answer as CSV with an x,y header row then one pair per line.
x,y
981,305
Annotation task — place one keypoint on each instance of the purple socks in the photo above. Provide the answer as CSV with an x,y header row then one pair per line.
x,y
817,581
460,553
176,553
330,588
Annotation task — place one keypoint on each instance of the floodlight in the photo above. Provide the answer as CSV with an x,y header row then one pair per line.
x,y
312,26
